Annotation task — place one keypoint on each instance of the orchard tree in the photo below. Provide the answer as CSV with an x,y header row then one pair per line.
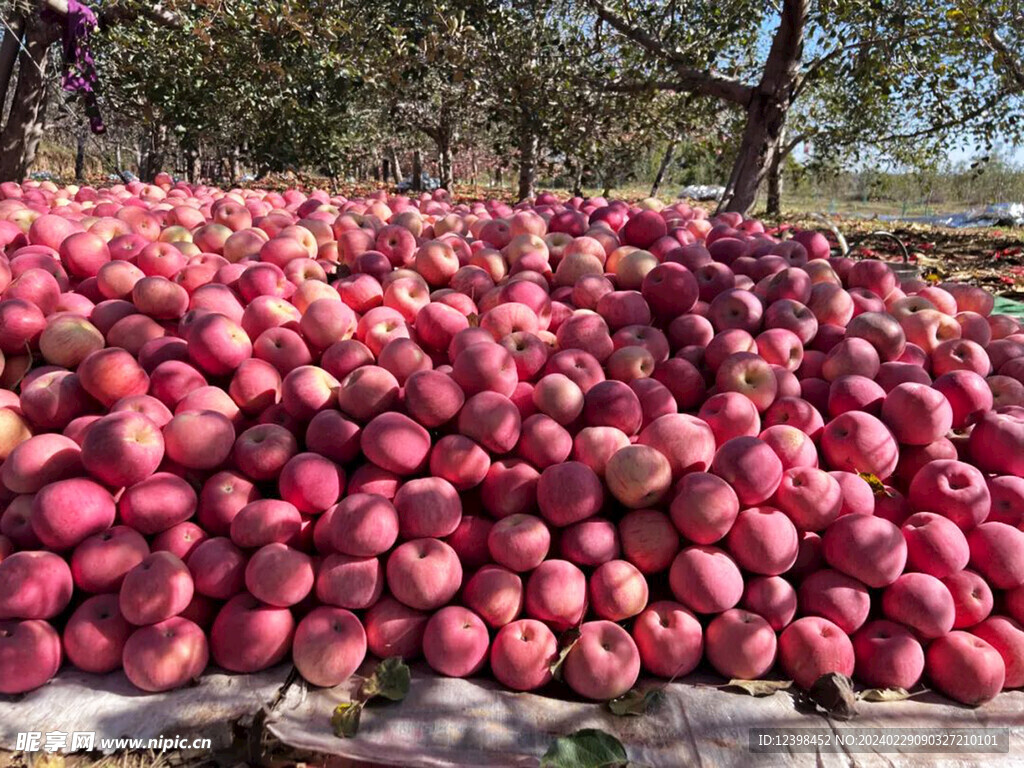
x,y
917,56
428,70
858,109
28,60
539,100
270,79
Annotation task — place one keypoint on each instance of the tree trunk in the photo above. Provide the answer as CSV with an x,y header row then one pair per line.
x,y
417,171
153,160
9,55
80,154
774,206
193,165
528,146
444,163
666,161
767,109
235,164
141,151
396,167
28,100
117,158
35,135
765,121
577,180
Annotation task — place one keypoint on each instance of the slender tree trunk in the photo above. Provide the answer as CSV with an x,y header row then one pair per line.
x,y
35,135
528,146
153,160
396,167
577,180
9,55
29,95
193,165
235,164
774,206
117,157
417,171
666,161
80,154
444,162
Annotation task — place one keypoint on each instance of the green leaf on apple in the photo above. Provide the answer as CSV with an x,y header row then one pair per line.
x,y
877,486
636,703
586,748
345,719
566,643
760,687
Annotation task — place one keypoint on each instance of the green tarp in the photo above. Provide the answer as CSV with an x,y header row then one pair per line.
x,y
1005,306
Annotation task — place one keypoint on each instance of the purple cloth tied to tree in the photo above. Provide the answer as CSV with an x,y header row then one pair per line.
x,y
79,68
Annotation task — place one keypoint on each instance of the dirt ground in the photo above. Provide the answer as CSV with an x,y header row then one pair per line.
x,y
991,257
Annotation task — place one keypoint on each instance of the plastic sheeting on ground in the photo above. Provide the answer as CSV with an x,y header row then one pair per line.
x,y
702,192
999,214
448,722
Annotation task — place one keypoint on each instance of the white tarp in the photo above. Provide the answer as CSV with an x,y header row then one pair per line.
x,y
702,192
997,215
446,722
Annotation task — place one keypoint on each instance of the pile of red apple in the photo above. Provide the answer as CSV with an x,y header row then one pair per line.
x,y
238,427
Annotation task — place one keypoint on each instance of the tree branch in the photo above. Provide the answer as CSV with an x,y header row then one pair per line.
x,y
781,68
790,145
821,61
1009,58
703,82
639,86
115,14
946,125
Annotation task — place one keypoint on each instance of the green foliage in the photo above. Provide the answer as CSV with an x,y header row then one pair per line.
x,y
586,748
326,85
273,75
899,81
390,680
636,703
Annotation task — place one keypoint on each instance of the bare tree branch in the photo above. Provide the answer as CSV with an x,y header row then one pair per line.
x,y
703,82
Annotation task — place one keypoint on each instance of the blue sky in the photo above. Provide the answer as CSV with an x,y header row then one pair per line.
x,y
1013,155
